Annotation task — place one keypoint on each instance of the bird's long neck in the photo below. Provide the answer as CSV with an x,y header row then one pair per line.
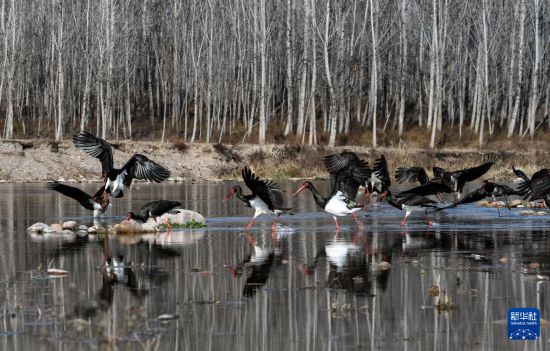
x,y
391,201
138,217
240,196
319,200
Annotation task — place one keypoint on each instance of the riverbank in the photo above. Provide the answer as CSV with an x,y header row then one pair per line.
x,y
43,160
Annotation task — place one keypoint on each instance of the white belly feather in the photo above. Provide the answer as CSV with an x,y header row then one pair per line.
x,y
337,206
260,207
117,185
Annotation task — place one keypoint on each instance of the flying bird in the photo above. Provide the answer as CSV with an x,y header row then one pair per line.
x,y
98,203
137,167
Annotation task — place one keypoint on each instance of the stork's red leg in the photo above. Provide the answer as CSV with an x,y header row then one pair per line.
x,y
274,226
249,224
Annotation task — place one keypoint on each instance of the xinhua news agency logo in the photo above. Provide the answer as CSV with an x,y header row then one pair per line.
x,y
523,323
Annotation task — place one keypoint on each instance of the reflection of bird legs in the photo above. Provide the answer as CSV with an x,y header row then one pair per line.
x,y
356,238
356,220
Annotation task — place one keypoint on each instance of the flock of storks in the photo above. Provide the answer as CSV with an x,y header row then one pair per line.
x,y
348,173
115,179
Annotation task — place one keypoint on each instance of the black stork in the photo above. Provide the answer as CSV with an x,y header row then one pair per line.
x,y
137,167
347,173
98,203
266,197
153,210
535,188
411,203
455,180
486,189
379,180
427,186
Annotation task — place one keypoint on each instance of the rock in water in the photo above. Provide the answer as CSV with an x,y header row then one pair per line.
x,y
56,227
70,225
38,227
181,216
132,226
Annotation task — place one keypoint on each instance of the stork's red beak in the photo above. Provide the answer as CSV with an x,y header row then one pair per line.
x,y
229,196
301,188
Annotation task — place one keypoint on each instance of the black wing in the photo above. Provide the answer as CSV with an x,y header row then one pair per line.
x,y
83,198
469,174
430,188
267,192
95,147
157,208
475,195
520,174
347,172
415,200
539,184
142,168
381,170
505,190
438,172
411,175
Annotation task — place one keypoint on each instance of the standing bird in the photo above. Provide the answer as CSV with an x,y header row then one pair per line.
x,y
347,173
486,189
98,203
153,210
535,188
379,180
138,166
266,198
411,203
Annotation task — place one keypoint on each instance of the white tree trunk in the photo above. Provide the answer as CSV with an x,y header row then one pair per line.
x,y
262,48
534,96
517,104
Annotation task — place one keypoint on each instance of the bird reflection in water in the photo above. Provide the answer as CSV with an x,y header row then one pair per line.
x,y
260,262
351,265
118,272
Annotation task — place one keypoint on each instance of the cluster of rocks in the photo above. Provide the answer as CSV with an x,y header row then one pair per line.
x,y
178,217
68,227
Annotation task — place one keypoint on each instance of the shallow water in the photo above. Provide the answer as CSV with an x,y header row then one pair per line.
x,y
309,290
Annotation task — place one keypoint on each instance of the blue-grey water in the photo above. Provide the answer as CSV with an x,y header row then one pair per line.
x,y
309,290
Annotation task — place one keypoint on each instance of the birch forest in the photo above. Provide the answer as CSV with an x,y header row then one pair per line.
x,y
262,71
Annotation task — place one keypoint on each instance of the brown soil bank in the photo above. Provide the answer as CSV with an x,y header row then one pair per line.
x,y
39,160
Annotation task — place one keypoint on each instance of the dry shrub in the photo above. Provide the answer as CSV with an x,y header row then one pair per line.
x,y
287,152
228,154
227,172
180,145
256,158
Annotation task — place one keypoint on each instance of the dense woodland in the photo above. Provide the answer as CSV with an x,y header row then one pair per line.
x,y
259,70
